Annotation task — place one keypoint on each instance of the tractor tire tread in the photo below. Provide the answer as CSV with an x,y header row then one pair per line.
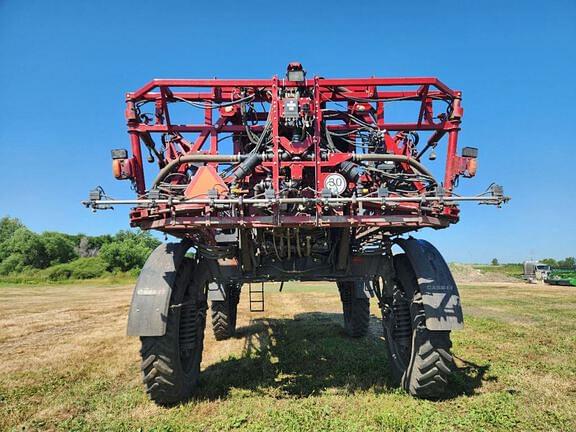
x,y
356,311
430,367
425,374
223,314
166,382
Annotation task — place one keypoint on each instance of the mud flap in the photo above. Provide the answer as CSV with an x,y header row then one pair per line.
x,y
442,306
151,297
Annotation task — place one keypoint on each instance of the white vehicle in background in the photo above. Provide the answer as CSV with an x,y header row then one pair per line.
x,y
536,271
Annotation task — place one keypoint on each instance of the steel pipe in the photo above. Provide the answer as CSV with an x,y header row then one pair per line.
x,y
190,158
376,200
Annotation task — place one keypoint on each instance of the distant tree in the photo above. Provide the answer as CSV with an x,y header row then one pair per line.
x,y
98,241
9,261
74,238
20,248
8,226
84,249
124,256
143,238
59,247
550,261
128,251
567,263
494,261
88,246
11,264
28,246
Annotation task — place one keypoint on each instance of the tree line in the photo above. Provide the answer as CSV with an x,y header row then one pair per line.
x,y
59,256
568,263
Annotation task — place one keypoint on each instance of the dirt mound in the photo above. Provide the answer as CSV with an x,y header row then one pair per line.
x,y
466,273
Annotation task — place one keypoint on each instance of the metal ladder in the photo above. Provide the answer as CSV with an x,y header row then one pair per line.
x,y
256,296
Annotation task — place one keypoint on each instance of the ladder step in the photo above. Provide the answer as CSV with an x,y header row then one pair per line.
x,y
256,298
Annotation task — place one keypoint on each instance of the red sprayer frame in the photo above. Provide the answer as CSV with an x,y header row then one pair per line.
x,y
327,107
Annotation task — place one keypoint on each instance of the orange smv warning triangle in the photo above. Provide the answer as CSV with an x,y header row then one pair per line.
x,y
206,178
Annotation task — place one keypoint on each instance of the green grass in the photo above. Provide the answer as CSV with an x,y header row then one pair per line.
x,y
515,358
514,270
299,287
32,279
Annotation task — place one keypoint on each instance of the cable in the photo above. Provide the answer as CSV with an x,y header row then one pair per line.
x,y
332,113
368,100
204,105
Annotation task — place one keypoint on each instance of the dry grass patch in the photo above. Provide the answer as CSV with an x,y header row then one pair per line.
x,y
70,367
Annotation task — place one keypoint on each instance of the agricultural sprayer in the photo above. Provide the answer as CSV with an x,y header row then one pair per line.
x,y
287,179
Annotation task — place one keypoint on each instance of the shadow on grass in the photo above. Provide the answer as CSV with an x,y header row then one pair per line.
x,y
467,378
306,356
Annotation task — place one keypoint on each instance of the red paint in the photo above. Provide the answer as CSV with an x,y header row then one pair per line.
x,y
309,162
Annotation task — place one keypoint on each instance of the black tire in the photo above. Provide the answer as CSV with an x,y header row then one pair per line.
x,y
356,310
224,313
420,359
171,363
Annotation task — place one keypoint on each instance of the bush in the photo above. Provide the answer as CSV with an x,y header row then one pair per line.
x,y
143,238
124,256
81,268
8,226
89,246
28,246
59,272
11,264
33,250
23,251
128,251
59,248
567,263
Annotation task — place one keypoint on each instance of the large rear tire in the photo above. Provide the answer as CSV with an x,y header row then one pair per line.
x,y
356,310
171,363
224,313
420,359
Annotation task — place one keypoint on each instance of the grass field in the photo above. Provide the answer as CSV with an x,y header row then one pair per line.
x,y
68,366
512,270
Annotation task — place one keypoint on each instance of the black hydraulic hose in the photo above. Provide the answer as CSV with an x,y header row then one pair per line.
x,y
252,160
394,158
247,166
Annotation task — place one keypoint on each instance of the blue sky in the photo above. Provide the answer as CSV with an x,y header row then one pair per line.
x,y
65,66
